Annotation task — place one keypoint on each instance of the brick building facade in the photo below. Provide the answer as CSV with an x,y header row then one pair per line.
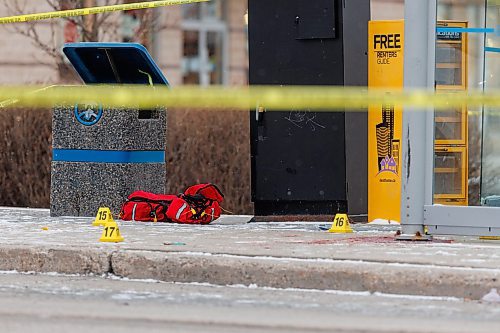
x,y
204,43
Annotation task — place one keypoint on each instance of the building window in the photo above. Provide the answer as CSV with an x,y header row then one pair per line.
x,y
205,43
131,24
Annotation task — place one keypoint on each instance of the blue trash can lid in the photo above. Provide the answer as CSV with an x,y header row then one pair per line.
x,y
114,63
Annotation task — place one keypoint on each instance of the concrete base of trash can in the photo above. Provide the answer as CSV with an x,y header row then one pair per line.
x,y
79,189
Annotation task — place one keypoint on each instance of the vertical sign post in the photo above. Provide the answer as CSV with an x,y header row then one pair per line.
x,y
418,123
385,71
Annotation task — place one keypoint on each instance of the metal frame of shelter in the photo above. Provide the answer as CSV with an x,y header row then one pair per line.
x,y
417,209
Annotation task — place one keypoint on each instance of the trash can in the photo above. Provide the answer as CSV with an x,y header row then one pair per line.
x,y
101,154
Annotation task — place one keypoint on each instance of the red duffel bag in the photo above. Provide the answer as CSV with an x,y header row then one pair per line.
x,y
199,204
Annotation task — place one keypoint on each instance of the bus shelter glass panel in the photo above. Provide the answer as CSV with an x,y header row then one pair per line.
x,y
490,180
459,67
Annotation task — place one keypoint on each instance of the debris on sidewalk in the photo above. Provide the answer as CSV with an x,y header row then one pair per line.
x,y
492,296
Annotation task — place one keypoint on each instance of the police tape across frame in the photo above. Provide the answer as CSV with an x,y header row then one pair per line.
x,y
269,98
94,10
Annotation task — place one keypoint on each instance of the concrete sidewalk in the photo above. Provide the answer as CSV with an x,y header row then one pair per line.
x,y
232,251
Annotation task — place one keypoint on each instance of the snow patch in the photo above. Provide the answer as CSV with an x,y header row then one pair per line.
x,y
384,222
331,291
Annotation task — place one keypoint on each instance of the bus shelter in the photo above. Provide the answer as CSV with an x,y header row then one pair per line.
x,y
451,158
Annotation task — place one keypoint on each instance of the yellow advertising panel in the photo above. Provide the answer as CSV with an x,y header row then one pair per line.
x,y
385,70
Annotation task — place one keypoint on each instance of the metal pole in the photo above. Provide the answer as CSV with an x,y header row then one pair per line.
x,y
418,124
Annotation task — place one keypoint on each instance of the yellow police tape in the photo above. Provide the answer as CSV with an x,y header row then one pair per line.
x,y
93,10
265,98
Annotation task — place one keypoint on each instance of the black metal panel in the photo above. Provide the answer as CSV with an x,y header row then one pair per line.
x,y
356,15
300,156
297,156
264,208
315,19
278,57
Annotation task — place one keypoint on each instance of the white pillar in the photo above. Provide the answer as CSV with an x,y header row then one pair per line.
x,y
418,124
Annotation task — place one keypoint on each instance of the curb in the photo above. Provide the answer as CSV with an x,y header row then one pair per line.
x,y
223,269
45,260
323,274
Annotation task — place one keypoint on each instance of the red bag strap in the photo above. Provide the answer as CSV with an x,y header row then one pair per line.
x,y
195,190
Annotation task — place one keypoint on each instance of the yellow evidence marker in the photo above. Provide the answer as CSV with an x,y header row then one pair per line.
x,y
103,216
111,233
341,224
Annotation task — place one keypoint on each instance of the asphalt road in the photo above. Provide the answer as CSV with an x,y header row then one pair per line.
x,y
55,303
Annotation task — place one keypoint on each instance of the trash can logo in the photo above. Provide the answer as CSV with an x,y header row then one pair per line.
x,y
88,114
